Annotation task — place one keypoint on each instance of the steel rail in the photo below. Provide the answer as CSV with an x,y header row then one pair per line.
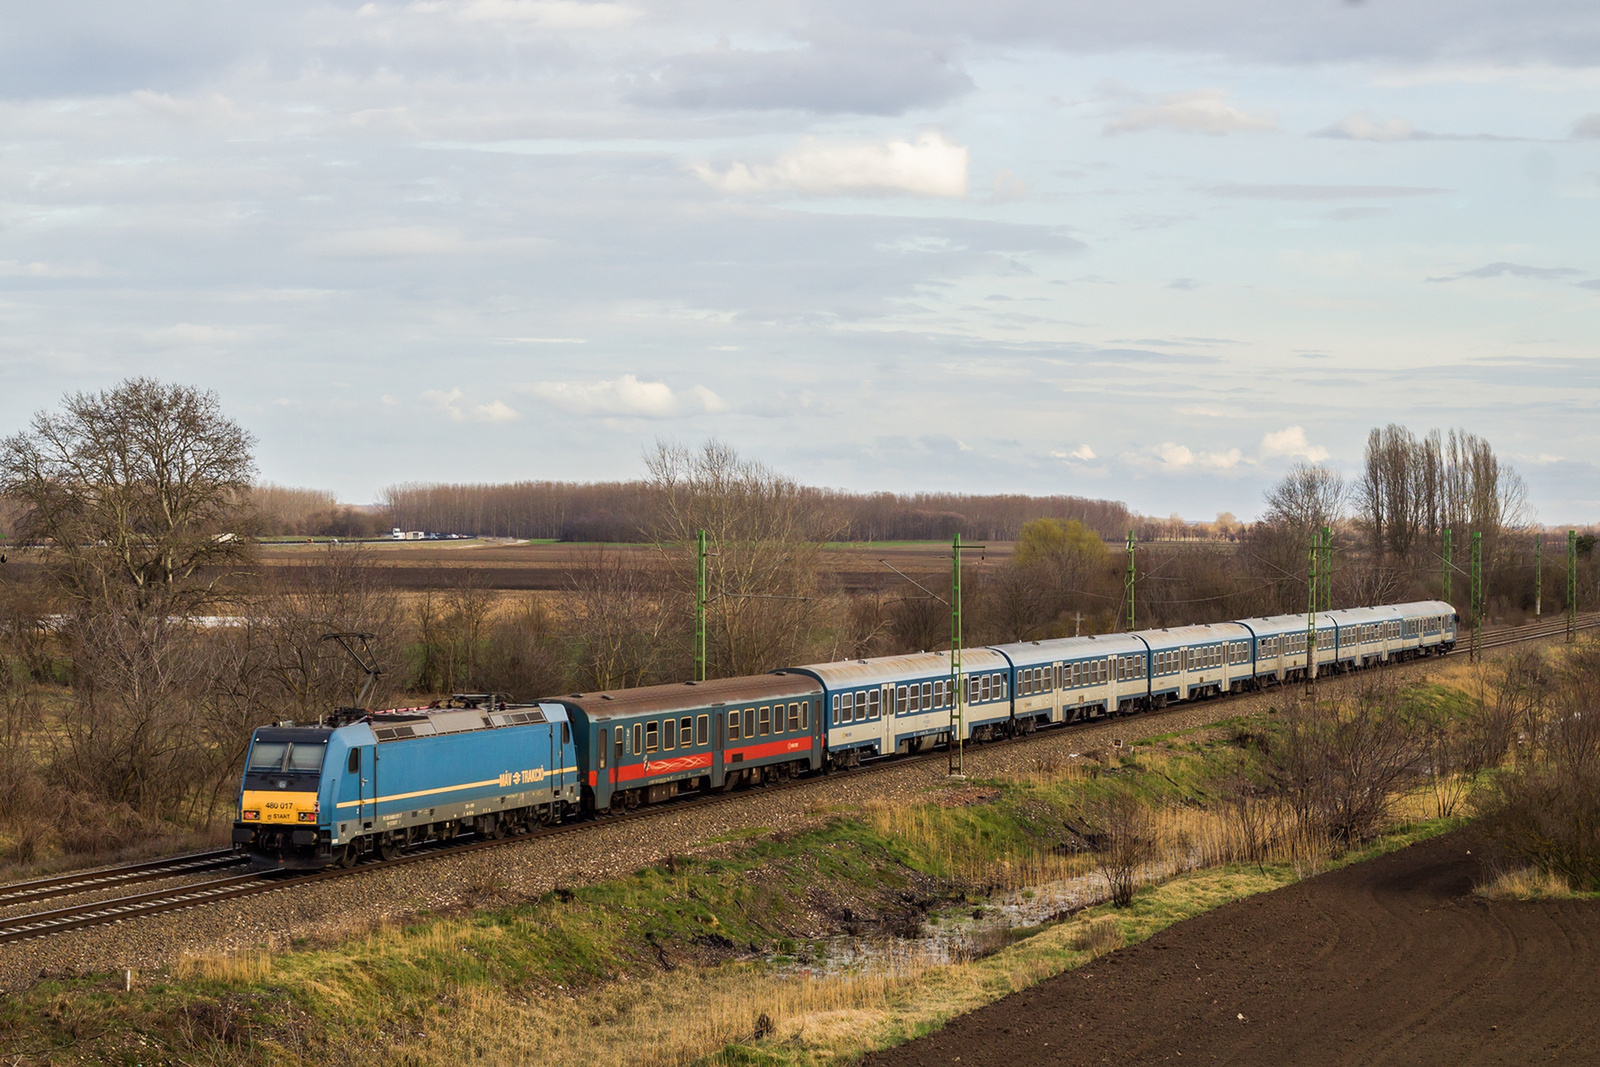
x,y
87,881
45,924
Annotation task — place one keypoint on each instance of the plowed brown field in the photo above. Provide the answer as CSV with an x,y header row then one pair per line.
x,y
1387,962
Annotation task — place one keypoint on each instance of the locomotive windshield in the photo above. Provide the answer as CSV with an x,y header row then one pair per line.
x,y
282,756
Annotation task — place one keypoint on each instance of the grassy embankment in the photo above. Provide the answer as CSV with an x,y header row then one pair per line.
x,y
711,959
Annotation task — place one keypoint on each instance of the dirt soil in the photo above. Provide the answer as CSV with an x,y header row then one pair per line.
x,y
1391,961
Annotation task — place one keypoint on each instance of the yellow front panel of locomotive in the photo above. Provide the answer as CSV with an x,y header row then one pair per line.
x,y
275,806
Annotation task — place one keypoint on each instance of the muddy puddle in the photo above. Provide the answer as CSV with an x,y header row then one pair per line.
x,y
953,934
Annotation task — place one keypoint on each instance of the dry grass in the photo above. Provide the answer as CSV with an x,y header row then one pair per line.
x,y
1099,936
230,967
1529,883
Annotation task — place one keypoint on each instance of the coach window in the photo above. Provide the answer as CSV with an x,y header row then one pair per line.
x,y
749,722
638,738
848,713
733,725
914,697
765,720
805,715
652,736
901,705
686,732
616,735
873,703
702,733
836,709
669,737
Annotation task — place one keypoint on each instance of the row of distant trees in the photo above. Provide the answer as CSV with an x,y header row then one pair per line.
x,y
627,511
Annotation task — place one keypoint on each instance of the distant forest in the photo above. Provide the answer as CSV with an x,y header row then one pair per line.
x,y
623,511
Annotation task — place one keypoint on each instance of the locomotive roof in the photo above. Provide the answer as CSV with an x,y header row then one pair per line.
x,y
689,696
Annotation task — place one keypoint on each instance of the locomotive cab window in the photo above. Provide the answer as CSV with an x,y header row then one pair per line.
x,y
352,765
306,755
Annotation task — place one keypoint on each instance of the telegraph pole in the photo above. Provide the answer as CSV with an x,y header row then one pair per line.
x,y
1572,585
700,607
1129,591
1477,596
1447,568
1538,576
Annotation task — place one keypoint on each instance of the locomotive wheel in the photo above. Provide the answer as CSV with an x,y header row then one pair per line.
x,y
348,855
383,848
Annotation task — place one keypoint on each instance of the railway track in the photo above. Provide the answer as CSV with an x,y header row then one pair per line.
x,y
66,885
232,887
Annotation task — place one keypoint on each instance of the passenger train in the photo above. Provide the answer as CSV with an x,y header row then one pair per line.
x,y
371,783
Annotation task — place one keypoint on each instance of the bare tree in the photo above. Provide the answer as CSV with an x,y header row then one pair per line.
x,y
138,486
618,623
1338,762
1126,842
338,589
761,574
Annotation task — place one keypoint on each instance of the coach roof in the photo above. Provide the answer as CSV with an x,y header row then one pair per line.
x,y
691,696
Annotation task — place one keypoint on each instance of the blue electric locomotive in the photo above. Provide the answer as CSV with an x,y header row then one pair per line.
x,y
315,795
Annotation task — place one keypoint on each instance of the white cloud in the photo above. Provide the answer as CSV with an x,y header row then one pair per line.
x,y
1169,456
388,243
929,166
189,333
450,403
542,14
627,395
1082,452
1358,127
12,268
1291,441
1201,111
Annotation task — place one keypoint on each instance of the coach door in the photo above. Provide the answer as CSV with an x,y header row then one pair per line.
x,y
717,737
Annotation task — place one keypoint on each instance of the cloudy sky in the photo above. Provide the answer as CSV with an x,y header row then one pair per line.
x,y
1154,251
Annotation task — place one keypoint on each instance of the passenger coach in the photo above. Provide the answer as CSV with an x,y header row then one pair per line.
x,y
646,745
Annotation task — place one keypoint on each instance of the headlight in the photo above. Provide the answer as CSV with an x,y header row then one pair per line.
x,y
251,814
308,816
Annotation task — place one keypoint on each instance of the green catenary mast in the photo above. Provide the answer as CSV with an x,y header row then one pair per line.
x,y
1572,585
1447,567
1538,576
700,606
956,680
1131,626
1477,596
